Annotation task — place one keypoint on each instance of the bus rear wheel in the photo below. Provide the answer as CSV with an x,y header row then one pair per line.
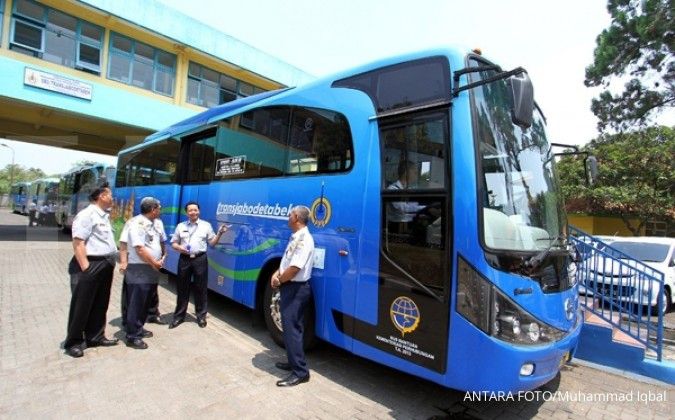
x,y
271,307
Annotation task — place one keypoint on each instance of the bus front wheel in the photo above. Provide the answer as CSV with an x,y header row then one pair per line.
x,y
271,310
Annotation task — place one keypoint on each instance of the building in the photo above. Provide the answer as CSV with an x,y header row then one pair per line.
x,y
100,75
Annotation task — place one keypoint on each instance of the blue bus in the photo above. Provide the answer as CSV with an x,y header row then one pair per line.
x,y
44,194
470,290
75,187
18,193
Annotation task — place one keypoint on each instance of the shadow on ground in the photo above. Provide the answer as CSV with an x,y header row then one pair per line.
x,y
34,233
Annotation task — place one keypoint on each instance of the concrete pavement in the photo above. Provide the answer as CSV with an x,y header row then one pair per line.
x,y
227,369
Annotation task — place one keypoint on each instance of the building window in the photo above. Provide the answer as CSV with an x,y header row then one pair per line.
x,y
138,64
55,36
2,14
209,88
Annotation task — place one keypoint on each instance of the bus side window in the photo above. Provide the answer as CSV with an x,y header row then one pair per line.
x,y
256,148
320,142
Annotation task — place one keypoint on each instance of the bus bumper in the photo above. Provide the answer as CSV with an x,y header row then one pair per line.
x,y
484,363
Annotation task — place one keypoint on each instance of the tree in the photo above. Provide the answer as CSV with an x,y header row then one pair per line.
x,y
638,46
20,174
636,177
82,162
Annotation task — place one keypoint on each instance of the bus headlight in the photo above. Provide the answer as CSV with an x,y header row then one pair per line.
x,y
533,331
496,314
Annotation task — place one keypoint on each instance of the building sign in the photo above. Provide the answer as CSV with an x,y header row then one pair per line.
x,y
55,83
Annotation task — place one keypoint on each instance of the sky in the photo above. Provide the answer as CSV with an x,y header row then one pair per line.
x,y
552,40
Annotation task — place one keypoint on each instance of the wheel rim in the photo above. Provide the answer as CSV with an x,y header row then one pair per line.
x,y
275,311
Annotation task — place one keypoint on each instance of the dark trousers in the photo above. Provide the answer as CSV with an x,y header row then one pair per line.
x,y
295,297
153,308
89,301
31,218
195,269
141,280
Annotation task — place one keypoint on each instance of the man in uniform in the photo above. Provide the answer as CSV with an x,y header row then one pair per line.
x,y
91,273
32,213
153,307
293,277
191,239
146,257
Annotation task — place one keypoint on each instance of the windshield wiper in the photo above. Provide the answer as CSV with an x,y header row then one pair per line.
x,y
499,76
559,243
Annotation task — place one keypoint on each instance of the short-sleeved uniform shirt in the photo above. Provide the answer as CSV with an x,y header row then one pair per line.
x,y
92,225
299,253
124,236
194,234
145,232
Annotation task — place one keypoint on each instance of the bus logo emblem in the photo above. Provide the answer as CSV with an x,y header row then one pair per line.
x,y
404,314
320,212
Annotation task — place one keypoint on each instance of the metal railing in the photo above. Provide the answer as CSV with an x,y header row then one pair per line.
x,y
621,290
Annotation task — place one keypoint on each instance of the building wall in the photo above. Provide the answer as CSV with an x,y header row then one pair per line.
x,y
211,41
136,110
602,225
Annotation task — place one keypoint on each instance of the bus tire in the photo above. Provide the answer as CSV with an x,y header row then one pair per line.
x,y
270,307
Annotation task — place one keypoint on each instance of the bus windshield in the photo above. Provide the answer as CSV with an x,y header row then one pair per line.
x,y
521,204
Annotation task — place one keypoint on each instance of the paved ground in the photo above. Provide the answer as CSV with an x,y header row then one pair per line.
x,y
227,369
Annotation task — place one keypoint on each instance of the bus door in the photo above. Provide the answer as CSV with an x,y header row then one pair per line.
x,y
414,251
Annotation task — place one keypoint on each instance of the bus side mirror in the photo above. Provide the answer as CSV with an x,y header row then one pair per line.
x,y
591,167
522,99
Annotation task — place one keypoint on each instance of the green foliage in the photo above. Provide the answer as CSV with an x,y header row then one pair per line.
x,y
82,162
636,177
20,174
638,47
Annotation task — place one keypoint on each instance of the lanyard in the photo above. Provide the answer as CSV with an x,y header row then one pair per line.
x,y
190,233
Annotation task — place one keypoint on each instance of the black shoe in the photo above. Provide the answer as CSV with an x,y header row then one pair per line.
x,y
137,343
201,323
292,380
175,323
104,342
147,334
74,351
283,365
156,320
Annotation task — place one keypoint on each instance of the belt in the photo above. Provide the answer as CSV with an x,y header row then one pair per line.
x,y
98,257
199,254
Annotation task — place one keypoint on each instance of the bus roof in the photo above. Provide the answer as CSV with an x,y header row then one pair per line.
x,y
230,108
91,165
47,180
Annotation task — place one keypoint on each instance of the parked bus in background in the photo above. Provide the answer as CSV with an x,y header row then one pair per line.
x,y
18,194
75,187
44,193
437,218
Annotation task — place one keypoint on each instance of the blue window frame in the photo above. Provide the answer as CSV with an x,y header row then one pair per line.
x,y
55,36
141,65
